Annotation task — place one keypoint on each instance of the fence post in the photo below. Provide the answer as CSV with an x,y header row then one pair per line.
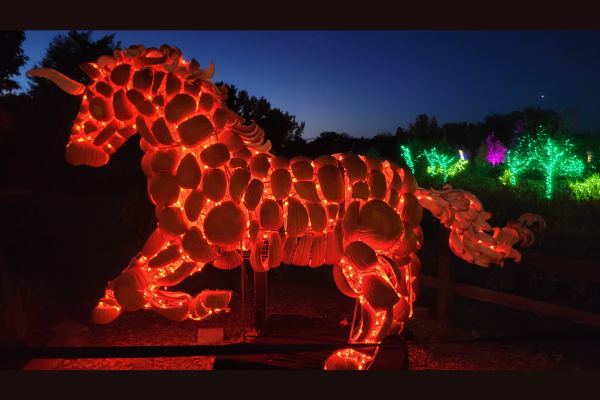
x,y
444,281
260,300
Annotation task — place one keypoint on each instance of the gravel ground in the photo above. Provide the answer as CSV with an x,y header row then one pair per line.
x,y
310,293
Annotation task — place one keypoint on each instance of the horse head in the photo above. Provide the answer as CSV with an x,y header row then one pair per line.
x,y
170,102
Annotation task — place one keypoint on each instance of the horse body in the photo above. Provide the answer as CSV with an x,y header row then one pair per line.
x,y
220,197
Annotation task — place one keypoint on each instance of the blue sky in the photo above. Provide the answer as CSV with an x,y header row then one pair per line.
x,y
367,82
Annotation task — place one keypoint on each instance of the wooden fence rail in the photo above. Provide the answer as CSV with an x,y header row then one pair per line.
x,y
557,266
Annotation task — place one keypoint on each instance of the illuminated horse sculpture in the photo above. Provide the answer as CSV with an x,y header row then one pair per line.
x,y
219,193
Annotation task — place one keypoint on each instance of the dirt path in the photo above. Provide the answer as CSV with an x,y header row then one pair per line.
x,y
431,347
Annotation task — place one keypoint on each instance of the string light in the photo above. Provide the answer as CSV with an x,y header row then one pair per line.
x,y
588,189
496,153
166,275
438,163
408,158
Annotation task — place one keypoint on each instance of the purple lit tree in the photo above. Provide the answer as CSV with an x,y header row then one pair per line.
x,y
517,132
496,151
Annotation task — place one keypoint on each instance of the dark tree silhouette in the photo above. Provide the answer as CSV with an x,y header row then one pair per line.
x,y
65,54
401,134
280,127
455,133
424,129
331,143
11,60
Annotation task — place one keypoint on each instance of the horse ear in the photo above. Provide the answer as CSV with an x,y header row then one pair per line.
x,y
63,82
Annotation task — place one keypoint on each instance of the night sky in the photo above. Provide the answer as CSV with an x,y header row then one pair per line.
x,y
368,82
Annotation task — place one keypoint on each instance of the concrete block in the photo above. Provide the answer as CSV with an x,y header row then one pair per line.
x,y
210,336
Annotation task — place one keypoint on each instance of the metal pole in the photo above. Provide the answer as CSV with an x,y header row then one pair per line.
x,y
444,279
243,269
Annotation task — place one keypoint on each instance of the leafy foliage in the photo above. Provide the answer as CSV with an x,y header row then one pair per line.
x,y
280,127
65,54
12,59
588,189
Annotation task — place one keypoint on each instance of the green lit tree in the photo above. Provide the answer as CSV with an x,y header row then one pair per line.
x,y
518,160
552,156
555,158
439,164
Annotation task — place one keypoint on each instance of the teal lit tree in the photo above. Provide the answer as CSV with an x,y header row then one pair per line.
x,y
555,159
552,156
408,158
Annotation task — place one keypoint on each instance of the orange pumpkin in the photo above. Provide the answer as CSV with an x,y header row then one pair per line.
x,y
228,260
100,109
194,204
307,190
259,166
166,256
142,80
302,254
275,254
121,106
195,130
85,153
351,218
362,257
281,184
331,182
188,173
297,218
271,215
196,247
153,244
225,224
163,188
232,140
214,184
206,102
317,256
171,223
182,272
237,183
180,106
129,289
378,293
303,170
339,363
379,225
162,133
106,311
142,127
253,194
120,74
377,184
256,261
165,160
215,299
356,169
318,216
215,156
